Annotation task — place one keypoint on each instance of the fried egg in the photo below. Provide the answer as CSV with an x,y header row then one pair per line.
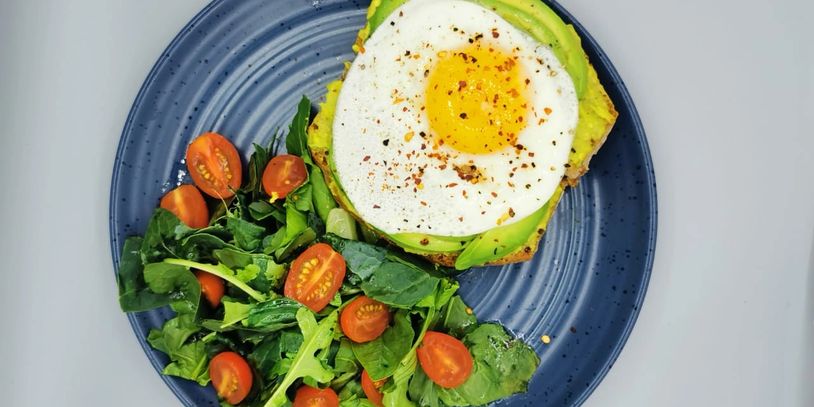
x,y
451,122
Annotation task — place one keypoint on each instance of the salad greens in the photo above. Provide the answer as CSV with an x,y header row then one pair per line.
x,y
250,244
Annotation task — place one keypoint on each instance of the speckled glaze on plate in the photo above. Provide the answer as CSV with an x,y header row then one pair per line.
x,y
239,68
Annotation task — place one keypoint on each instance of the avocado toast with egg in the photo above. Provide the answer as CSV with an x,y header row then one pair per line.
x,y
506,73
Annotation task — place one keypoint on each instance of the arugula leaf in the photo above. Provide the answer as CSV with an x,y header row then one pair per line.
x,y
234,312
316,338
297,140
221,271
248,236
270,274
395,391
458,319
356,403
398,285
177,282
133,292
301,198
381,356
423,391
188,360
295,222
503,366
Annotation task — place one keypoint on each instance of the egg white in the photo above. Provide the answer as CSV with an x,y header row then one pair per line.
x,y
379,105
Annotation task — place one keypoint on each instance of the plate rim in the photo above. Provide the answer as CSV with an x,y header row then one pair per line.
x,y
641,136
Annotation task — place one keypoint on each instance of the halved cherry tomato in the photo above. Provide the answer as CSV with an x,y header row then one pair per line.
x,y
283,174
445,360
371,388
308,396
212,287
364,319
315,276
187,203
214,165
231,376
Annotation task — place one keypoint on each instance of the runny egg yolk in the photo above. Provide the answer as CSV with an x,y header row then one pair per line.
x,y
476,99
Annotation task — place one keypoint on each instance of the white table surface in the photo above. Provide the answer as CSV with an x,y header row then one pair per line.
x,y
726,92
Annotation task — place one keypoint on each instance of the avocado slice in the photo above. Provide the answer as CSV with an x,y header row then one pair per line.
x,y
517,241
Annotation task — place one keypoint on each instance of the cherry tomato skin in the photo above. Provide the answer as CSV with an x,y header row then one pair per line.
x,y
364,319
315,276
445,360
231,376
187,203
283,174
214,165
371,388
308,396
212,287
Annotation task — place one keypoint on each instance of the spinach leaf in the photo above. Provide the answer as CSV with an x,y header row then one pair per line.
x,y
248,236
269,355
161,237
260,210
297,140
345,359
199,246
177,282
273,315
458,319
323,200
133,292
381,356
317,337
503,366
344,365
307,236
188,360
362,259
398,285
257,164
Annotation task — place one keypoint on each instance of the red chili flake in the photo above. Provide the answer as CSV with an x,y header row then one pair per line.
x,y
367,157
494,194
547,110
376,206
460,219
452,184
531,154
511,212
461,85
495,34
425,241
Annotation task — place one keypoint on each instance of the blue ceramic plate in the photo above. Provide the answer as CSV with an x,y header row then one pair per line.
x,y
240,67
